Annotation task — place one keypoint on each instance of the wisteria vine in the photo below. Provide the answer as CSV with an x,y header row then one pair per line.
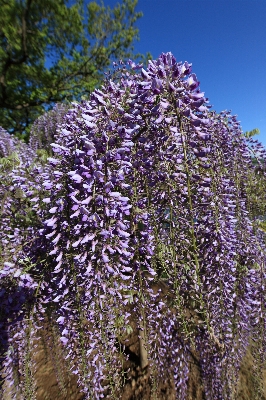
x,y
143,184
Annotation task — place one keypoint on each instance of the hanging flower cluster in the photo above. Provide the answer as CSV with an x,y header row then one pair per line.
x,y
20,181
146,183
44,129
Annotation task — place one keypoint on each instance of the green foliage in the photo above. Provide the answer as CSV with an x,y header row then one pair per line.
x,y
254,132
256,189
52,52
9,162
256,184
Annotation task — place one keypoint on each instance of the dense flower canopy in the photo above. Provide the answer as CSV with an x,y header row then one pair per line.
x,y
144,183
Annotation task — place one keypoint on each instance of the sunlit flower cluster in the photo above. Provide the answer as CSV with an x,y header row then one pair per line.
x,y
144,184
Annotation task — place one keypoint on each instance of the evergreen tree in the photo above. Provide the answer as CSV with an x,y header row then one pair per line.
x,y
56,51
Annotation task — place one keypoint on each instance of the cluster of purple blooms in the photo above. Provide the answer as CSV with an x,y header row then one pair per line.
x,y
144,183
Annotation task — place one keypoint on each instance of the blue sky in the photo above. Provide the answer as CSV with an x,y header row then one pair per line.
x,y
225,40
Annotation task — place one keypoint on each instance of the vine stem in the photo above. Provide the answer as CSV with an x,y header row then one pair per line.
x,y
192,230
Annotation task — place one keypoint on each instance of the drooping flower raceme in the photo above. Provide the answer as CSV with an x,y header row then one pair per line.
x,y
44,129
19,226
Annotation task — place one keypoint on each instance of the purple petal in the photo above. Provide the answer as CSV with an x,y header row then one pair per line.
x,y
77,178
64,340
105,258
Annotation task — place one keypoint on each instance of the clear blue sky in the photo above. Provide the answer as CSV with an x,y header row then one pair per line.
x,y
225,40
